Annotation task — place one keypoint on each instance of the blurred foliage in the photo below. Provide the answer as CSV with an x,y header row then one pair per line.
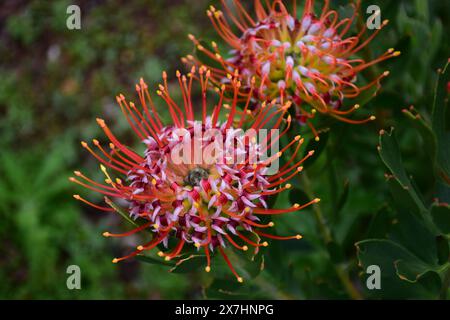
x,y
55,81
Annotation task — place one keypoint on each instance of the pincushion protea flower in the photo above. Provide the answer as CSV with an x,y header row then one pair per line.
x,y
206,202
308,59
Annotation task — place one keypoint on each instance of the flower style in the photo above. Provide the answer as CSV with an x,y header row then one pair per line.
x,y
205,201
308,60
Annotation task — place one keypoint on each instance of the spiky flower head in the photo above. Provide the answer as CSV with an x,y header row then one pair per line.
x,y
308,58
208,200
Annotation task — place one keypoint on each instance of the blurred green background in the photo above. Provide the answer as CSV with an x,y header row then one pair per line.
x,y
54,82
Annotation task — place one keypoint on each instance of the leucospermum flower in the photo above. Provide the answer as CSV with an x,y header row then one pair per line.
x,y
207,202
308,58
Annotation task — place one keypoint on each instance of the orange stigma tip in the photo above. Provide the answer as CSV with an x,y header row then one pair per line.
x,y
265,244
72,179
106,234
240,280
298,237
271,224
300,169
95,141
115,260
77,173
288,186
101,122
244,248
84,144
208,269
311,152
279,154
140,248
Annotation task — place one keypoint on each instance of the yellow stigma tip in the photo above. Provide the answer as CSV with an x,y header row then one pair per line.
x,y
160,253
106,234
298,237
356,106
271,224
197,245
317,138
397,53
167,258
297,138
240,280
76,196
115,260
265,244
244,248
296,205
208,269
156,226
140,248
316,200
372,118
288,186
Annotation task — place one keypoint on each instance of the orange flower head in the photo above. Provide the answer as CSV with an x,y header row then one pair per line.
x,y
206,200
308,59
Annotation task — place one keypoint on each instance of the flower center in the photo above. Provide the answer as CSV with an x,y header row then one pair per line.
x,y
195,176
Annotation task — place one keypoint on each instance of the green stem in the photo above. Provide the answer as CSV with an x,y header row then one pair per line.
x,y
325,231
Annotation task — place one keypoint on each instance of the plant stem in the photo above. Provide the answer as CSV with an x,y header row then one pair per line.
x,y
325,231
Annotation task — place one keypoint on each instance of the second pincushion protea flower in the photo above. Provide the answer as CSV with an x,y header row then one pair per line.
x,y
208,200
309,60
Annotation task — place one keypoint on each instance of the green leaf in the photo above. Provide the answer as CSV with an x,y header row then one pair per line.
x,y
390,154
441,217
317,146
151,260
425,131
120,211
344,196
192,263
400,269
439,119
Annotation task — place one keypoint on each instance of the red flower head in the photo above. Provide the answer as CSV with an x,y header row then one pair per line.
x,y
308,59
207,200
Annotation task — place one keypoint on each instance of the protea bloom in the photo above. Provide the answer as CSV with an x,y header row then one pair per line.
x,y
206,201
309,59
